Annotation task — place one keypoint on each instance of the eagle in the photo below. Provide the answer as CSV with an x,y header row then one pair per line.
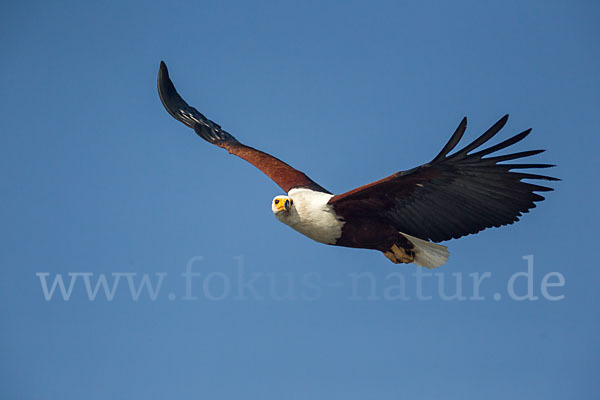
x,y
403,215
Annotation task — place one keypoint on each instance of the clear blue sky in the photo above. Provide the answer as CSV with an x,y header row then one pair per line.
x,y
96,178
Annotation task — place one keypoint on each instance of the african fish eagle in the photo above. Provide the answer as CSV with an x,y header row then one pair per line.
x,y
400,215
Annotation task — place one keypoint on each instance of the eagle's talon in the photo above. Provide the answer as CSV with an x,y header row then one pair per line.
x,y
403,255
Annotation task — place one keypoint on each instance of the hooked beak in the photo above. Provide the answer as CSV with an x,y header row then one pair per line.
x,y
283,205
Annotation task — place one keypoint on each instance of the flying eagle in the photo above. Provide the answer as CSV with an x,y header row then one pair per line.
x,y
401,215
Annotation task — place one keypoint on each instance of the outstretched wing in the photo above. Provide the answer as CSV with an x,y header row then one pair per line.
x,y
284,175
451,196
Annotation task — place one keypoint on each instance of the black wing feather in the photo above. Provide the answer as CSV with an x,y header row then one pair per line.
x,y
453,195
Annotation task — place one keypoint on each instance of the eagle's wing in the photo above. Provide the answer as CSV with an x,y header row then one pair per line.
x,y
284,175
451,196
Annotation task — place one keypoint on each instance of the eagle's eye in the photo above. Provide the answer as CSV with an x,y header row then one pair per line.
x,y
287,204
276,201
291,202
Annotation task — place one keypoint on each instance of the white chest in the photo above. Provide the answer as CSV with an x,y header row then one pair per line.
x,y
312,216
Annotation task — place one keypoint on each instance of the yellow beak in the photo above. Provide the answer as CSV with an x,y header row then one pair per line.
x,y
282,204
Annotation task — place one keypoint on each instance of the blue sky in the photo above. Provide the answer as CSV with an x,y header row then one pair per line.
x,y
98,179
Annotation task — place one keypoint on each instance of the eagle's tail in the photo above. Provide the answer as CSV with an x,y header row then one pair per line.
x,y
428,254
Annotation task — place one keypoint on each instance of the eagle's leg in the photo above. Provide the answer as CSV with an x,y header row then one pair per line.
x,y
402,255
398,255
390,256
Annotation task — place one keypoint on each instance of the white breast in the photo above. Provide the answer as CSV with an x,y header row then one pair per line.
x,y
312,216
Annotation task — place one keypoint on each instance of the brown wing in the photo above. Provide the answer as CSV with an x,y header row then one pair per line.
x,y
451,196
283,174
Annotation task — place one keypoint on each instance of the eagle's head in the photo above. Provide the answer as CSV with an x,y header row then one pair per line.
x,y
282,205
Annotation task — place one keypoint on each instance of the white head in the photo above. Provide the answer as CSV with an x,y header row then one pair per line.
x,y
283,207
308,212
